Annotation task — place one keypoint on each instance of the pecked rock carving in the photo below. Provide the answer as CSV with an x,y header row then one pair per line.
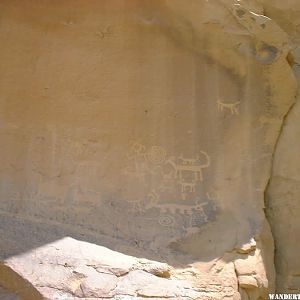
x,y
137,143
231,107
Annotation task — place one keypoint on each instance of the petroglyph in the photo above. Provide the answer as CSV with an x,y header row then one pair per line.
x,y
193,166
137,149
232,107
188,186
138,161
166,220
178,208
185,171
137,206
157,155
170,180
189,172
106,32
212,195
200,211
153,198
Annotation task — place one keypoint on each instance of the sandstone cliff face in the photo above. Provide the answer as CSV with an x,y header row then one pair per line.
x,y
148,127
283,192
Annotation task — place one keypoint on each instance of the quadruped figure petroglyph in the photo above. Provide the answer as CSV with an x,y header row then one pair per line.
x,y
232,107
193,166
173,183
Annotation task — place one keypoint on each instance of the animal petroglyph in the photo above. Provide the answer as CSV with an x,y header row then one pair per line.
x,y
232,107
193,166
178,208
166,178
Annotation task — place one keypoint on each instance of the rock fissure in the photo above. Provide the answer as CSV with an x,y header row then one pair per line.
x,y
266,201
280,191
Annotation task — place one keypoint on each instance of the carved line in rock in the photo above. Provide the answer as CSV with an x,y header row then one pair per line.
x,y
227,106
183,173
106,32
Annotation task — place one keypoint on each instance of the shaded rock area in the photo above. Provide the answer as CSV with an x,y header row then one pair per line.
x,y
7,295
143,152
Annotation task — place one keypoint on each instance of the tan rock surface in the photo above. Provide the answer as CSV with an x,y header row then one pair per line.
x,y
71,269
283,192
144,126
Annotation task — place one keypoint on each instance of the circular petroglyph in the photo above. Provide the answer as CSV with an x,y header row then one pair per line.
x,y
166,220
157,155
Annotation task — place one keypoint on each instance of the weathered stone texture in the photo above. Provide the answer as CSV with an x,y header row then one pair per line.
x,y
283,192
148,127
94,272
6,295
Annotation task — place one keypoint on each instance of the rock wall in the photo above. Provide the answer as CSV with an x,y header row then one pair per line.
x,y
283,192
146,127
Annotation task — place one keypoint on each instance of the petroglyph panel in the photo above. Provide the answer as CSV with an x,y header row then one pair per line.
x,y
109,150
159,182
149,122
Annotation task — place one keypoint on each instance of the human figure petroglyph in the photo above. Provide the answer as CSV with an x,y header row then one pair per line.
x,y
137,156
232,107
